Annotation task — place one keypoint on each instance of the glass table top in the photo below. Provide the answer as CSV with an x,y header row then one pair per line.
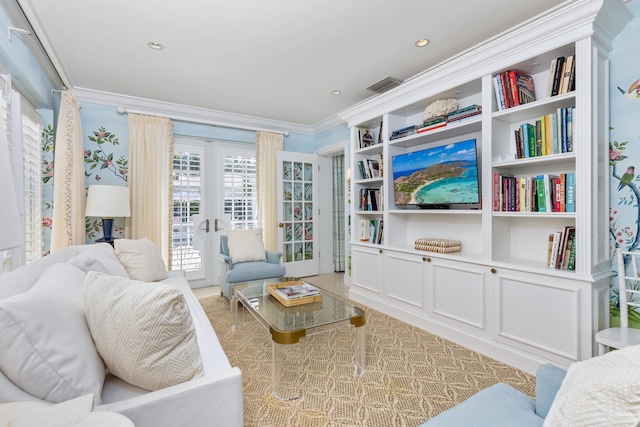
x,y
256,298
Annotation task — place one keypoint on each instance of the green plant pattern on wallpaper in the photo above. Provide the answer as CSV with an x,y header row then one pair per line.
x,y
48,137
623,236
99,158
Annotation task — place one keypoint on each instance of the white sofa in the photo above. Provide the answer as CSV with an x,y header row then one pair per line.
x,y
215,398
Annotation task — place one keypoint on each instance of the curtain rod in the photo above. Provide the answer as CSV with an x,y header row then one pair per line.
x,y
122,110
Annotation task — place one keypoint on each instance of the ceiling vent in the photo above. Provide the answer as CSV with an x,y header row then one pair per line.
x,y
384,85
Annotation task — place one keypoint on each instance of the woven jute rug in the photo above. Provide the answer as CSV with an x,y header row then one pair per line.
x,y
411,375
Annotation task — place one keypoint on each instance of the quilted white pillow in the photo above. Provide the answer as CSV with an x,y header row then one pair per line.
x,y
141,258
101,258
46,348
602,391
143,331
246,245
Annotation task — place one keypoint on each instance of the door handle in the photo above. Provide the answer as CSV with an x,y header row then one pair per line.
x,y
216,227
206,226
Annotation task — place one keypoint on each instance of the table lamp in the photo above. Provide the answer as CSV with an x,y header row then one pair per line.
x,y
107,202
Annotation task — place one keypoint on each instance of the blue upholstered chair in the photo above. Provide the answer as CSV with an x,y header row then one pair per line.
x,y
232,273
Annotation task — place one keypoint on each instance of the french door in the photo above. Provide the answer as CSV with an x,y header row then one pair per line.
x,y
297,223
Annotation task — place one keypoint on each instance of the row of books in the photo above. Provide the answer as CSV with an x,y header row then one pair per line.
x,y
562,75
562,249
371,230
550,134
370,199
369,168
541,193
513,88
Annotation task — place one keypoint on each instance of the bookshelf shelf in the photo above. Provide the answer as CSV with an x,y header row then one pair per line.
x,y
478,296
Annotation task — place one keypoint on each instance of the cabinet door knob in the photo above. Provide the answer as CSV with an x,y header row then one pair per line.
x,y
493,270
424,258
380,250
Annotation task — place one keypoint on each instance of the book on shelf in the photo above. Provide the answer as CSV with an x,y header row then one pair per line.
x,y
402,132
541,193
381,165
370,199
371,230
513,88
301,290
570,191
568,69
557,75
373,168
545,136
571,263
380,133
561,244
465,112
433,123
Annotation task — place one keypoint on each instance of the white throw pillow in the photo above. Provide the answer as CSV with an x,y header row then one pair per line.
x,y
246,245
46,348
143,331
101,258
601,391
72,413
141,258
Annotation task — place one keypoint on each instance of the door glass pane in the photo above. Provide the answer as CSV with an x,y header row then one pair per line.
x,y
186,203
297,208
240,191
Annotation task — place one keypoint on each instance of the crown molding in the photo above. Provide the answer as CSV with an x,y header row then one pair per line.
x,y
186,112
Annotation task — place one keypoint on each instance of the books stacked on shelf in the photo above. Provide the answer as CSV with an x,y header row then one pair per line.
x,y
435,123
464,113
401,133
541,193
443,246
369,168
562,75
513,88
561,254
550,134
371,230
370,199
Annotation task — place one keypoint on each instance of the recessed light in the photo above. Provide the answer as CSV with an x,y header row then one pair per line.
x,y
155,45
422,42
336,92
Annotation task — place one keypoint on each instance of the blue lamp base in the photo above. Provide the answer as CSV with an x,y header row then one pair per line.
x,y
107,230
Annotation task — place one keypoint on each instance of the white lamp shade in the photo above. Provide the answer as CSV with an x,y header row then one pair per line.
x,y
10,229
108,201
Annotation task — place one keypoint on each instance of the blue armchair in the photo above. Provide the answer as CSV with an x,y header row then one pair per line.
x,y
232,273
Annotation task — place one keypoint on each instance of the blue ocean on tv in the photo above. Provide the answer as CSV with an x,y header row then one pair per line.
x,y
462,189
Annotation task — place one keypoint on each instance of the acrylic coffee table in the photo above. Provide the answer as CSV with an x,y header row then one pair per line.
x,y
288,324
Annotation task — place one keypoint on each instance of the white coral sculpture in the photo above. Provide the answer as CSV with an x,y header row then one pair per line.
x,y
440,107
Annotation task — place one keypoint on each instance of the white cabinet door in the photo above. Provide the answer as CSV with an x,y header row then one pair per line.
x,y
459,294
404,278
544,315
367,268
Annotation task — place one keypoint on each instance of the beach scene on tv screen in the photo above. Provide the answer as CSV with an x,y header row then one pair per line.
x,y
441,175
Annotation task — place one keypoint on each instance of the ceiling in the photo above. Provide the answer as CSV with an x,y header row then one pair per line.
x,y
274,59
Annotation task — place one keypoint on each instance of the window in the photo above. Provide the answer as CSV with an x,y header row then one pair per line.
x,y
186,205
240,191
23,128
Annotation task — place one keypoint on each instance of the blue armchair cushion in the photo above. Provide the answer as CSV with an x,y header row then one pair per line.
x,y
503,406
254,270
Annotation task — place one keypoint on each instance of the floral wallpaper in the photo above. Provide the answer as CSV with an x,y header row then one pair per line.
x,y
105,162
624,148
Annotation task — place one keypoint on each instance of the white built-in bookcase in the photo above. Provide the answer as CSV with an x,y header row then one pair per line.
x,y
497,295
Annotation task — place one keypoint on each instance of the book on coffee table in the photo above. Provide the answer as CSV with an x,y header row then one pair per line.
x,y
298,291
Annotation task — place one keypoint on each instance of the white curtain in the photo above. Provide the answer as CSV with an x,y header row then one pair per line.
x,y
68,221
150,181
267,144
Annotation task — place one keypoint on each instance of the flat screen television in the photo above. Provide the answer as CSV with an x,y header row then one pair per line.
x,y
437,177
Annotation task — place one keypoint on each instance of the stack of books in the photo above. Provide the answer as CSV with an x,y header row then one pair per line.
x,y
435,123
443,246
562,76
463,113
401,133
562,249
